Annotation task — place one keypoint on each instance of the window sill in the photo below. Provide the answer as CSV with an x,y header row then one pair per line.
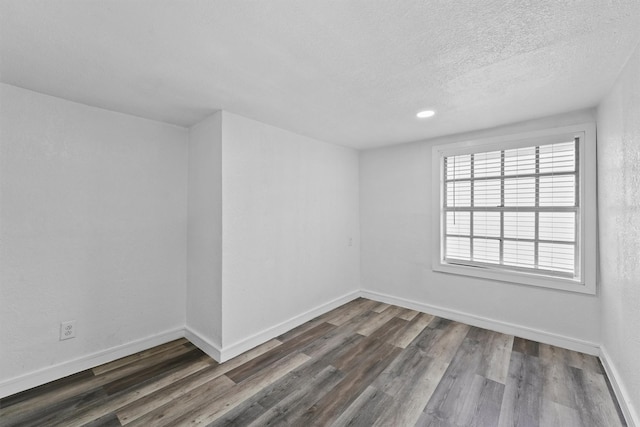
x,y
517,277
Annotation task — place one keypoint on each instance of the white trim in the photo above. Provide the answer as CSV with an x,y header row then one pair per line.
x,y
515,277
630,414
488,323
221,354
239,347
197,338
214,350
587,166
61,370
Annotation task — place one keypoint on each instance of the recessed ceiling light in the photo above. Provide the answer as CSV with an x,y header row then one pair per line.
x,y
426,113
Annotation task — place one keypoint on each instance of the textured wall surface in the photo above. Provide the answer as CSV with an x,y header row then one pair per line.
x,y
396,209
619,221
290,206
92,228
204,232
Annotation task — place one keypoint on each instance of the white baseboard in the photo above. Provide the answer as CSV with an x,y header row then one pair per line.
x,y
488,323
239,347
630,414
223,353
212,349
61,370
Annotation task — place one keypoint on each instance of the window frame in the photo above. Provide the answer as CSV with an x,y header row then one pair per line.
x,y
586,172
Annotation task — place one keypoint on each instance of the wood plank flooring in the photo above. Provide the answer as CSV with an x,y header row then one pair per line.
x,y
362,364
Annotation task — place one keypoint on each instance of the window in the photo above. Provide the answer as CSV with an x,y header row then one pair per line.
x,y
519,209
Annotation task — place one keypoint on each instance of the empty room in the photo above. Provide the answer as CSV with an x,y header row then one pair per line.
x,y
320,213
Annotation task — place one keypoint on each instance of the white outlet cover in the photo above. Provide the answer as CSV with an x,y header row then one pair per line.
x,y
67,330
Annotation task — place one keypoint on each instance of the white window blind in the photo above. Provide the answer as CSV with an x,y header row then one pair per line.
x,y
516,209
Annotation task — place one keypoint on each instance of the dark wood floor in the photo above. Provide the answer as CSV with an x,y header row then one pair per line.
x,y
363,364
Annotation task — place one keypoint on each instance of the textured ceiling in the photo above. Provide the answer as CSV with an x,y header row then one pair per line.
x,y
351,72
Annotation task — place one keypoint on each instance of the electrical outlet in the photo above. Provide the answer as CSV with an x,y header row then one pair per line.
x,y
67,330
350,241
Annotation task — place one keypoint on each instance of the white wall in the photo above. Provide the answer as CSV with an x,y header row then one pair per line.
x,y
395,206
204,235
290,206
619,229
92,228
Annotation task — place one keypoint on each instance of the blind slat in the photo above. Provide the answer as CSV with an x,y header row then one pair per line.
x,y
533,193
